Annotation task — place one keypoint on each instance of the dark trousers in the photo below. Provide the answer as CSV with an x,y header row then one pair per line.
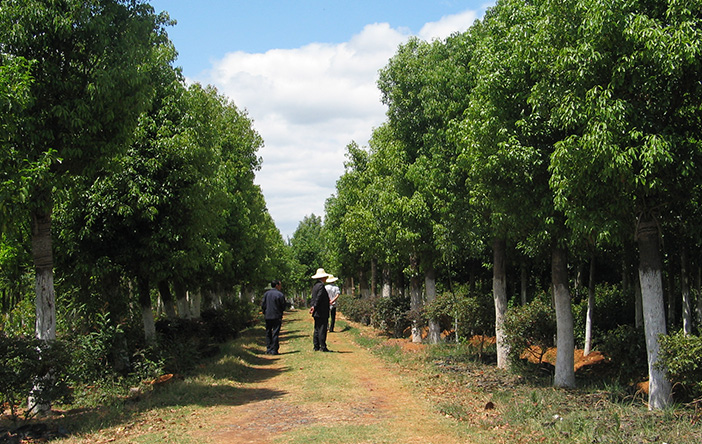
x,y
272,335
332,313
320,333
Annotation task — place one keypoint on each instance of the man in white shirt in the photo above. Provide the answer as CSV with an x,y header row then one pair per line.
x,y
333,292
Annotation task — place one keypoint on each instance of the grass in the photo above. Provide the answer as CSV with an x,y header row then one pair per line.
x,y
498,406
478,402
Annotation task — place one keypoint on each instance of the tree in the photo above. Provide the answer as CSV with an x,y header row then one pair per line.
x,y
633,111
89,86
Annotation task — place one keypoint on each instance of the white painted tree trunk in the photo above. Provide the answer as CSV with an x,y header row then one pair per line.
x,y
499,292
415,299
685,289
590,307
182,300
195,300
651,279
386,292
147,313
45,302
565,340
434,336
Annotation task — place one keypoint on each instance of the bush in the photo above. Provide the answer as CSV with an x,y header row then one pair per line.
x,y
530,328
612,309
391,315
681,357
92,353
466,315
357,309
626,347
32,367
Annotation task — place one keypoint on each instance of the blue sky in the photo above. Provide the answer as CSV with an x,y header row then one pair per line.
x,y
305,72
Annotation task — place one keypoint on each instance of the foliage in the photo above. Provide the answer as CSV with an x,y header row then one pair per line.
x,y
34,367
626,347
360,310
612,308
530,329
681,357
92,353
391,315
465,315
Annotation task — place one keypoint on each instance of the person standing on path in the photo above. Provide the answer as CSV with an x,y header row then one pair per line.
x,y
273,306
320,311
333,292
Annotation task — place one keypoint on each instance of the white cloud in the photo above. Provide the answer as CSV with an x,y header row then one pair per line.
x,y
308,104
447,25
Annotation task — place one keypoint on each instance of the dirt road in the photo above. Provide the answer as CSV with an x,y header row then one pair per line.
x,y
303,396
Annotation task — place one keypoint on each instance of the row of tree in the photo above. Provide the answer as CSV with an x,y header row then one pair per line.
x,y
118,176
549,129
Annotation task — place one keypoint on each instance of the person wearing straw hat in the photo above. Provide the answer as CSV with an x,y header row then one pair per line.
x,y
320,311
333,292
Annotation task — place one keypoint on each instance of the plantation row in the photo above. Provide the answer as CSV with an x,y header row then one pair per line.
x,y
555,147
130,218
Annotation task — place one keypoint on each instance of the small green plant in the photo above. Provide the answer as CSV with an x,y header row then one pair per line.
x,y
626,347
391,315
359,310
30,367
681,357
530,329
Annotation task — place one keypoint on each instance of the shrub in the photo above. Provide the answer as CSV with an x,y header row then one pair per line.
x,y
530,328
466,315
626,347
32,367
92,353
681,357
391,315
357,309
612,309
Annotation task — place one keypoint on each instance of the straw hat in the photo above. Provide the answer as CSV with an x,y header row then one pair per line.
x,y
331,279
320,274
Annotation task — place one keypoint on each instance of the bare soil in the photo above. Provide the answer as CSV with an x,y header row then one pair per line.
x,y
383,399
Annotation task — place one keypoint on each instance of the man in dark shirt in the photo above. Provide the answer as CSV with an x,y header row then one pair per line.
x,y
272,306
320,311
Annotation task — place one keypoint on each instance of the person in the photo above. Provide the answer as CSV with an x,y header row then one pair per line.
x,y
333,292
273,306
320,311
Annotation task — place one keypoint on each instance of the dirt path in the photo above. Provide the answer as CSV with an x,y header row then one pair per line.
x,y
348,396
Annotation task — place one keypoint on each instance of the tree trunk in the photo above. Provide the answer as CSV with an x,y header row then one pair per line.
x,y
499,292
685,289
374,278
434,336
565,341
147,314
650,276
590,306
45,303
387,289
524,277
698,294
195,302
638,315
181,300
164,291
415,299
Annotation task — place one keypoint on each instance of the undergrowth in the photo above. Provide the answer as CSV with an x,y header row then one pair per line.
x,y
501,406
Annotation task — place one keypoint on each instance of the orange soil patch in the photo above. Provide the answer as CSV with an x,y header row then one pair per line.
x,y
579,360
